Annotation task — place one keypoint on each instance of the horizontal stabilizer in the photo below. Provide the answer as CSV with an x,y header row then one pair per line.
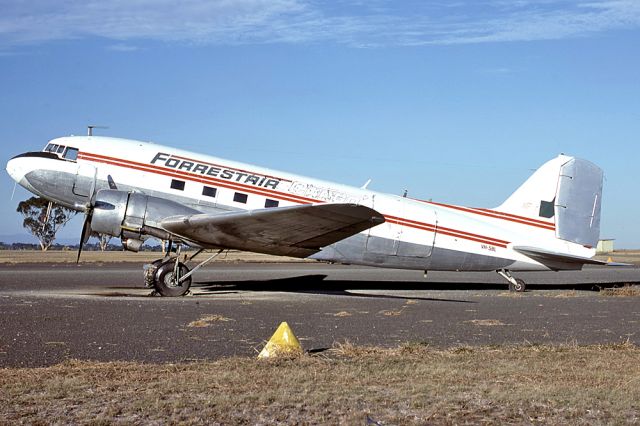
x,y
551,258
619,264
298,231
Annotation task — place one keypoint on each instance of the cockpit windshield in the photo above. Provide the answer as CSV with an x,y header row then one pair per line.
x,y
66,152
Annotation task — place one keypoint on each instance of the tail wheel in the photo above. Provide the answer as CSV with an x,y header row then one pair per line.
x,y
519,286
166,283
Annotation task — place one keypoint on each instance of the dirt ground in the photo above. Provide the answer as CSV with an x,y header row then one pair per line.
x,y
69,256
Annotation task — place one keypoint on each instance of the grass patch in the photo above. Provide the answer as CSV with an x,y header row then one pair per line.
x,y
410,384
627,290
206,321
69,256
485,322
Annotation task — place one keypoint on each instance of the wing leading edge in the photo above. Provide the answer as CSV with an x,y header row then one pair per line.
x,y
298,231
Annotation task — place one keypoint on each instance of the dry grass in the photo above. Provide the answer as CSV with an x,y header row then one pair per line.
x,y
411,384
206,321
627,290
624,256
69,256
485,322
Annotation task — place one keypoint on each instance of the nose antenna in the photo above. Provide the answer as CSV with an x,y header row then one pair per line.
x,y
91,127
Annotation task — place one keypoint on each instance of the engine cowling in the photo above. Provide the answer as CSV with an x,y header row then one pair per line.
x,y
133,216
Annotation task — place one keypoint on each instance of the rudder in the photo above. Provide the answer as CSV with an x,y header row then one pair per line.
x,y
578,202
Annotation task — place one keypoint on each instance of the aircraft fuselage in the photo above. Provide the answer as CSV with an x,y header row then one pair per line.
x,y
416,234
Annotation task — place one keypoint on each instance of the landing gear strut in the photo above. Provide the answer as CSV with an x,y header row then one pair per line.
x,y
515,284
171,278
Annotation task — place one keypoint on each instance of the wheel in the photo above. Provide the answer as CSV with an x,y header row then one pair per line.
x,y
150,270
165,282
519,286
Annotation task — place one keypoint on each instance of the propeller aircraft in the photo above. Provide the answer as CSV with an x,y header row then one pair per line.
x,y
136,190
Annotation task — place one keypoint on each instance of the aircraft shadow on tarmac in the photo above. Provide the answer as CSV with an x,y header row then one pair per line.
x,y
316,284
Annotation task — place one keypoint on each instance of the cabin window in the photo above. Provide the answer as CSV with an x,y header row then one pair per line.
x,y
177,184
71,154
271,203
240,198
209,191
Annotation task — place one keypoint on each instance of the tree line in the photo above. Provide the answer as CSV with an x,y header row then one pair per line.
x,y
44,219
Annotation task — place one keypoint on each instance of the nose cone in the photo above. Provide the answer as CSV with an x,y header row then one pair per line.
x,y
16,169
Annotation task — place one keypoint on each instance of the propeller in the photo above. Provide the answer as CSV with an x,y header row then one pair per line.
x,y
88,213
86,229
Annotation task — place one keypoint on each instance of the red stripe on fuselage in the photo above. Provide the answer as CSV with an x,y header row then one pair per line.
x,y
278,195
499,215
198,178
448,231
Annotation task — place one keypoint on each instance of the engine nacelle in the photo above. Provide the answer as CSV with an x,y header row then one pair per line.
x,y
131,215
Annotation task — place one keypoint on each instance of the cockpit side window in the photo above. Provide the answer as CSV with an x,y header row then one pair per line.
x,y
71,154
60,149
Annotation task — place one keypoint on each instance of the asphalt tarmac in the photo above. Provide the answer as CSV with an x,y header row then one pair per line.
x,y
53,312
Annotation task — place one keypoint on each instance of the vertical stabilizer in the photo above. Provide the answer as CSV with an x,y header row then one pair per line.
x,y
566,191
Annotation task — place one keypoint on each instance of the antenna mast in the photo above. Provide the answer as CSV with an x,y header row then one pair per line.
x,y
91,127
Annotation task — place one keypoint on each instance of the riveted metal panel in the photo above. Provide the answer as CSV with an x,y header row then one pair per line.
x,y
578,202
85,180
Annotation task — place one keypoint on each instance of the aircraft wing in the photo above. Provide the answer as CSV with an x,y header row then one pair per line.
x,y
556,260
298,231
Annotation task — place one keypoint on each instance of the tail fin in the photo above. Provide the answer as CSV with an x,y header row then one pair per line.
x,y
567,191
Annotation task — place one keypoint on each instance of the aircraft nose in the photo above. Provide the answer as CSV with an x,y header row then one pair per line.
x,y
18,168
15,168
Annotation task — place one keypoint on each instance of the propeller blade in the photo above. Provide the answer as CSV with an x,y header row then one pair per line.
x,y
88,214
86,230
86,234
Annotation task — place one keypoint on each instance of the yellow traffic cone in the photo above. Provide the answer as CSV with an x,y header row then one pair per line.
x,y
609,260
283,342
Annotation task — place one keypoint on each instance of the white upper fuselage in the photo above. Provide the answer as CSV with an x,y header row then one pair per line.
x,y
212,184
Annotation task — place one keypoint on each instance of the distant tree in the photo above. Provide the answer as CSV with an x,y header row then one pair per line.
x,y
38,224
103,240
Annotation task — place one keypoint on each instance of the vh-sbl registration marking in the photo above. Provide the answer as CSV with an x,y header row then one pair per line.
x,y
487,247
171,162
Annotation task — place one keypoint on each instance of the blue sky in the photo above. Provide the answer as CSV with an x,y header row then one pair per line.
x,y
457,101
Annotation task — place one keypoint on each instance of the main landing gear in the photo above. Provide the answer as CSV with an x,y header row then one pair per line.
x,y
169,276
515,284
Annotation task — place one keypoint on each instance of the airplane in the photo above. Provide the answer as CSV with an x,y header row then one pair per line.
x,y
137,190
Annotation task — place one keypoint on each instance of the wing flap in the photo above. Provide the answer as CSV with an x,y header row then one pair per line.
x,y
292,231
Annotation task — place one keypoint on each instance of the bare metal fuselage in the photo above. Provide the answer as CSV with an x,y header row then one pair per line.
x,y
415,234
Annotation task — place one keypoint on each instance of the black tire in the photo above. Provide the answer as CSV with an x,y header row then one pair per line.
x,y
164,282
519,287
150,272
